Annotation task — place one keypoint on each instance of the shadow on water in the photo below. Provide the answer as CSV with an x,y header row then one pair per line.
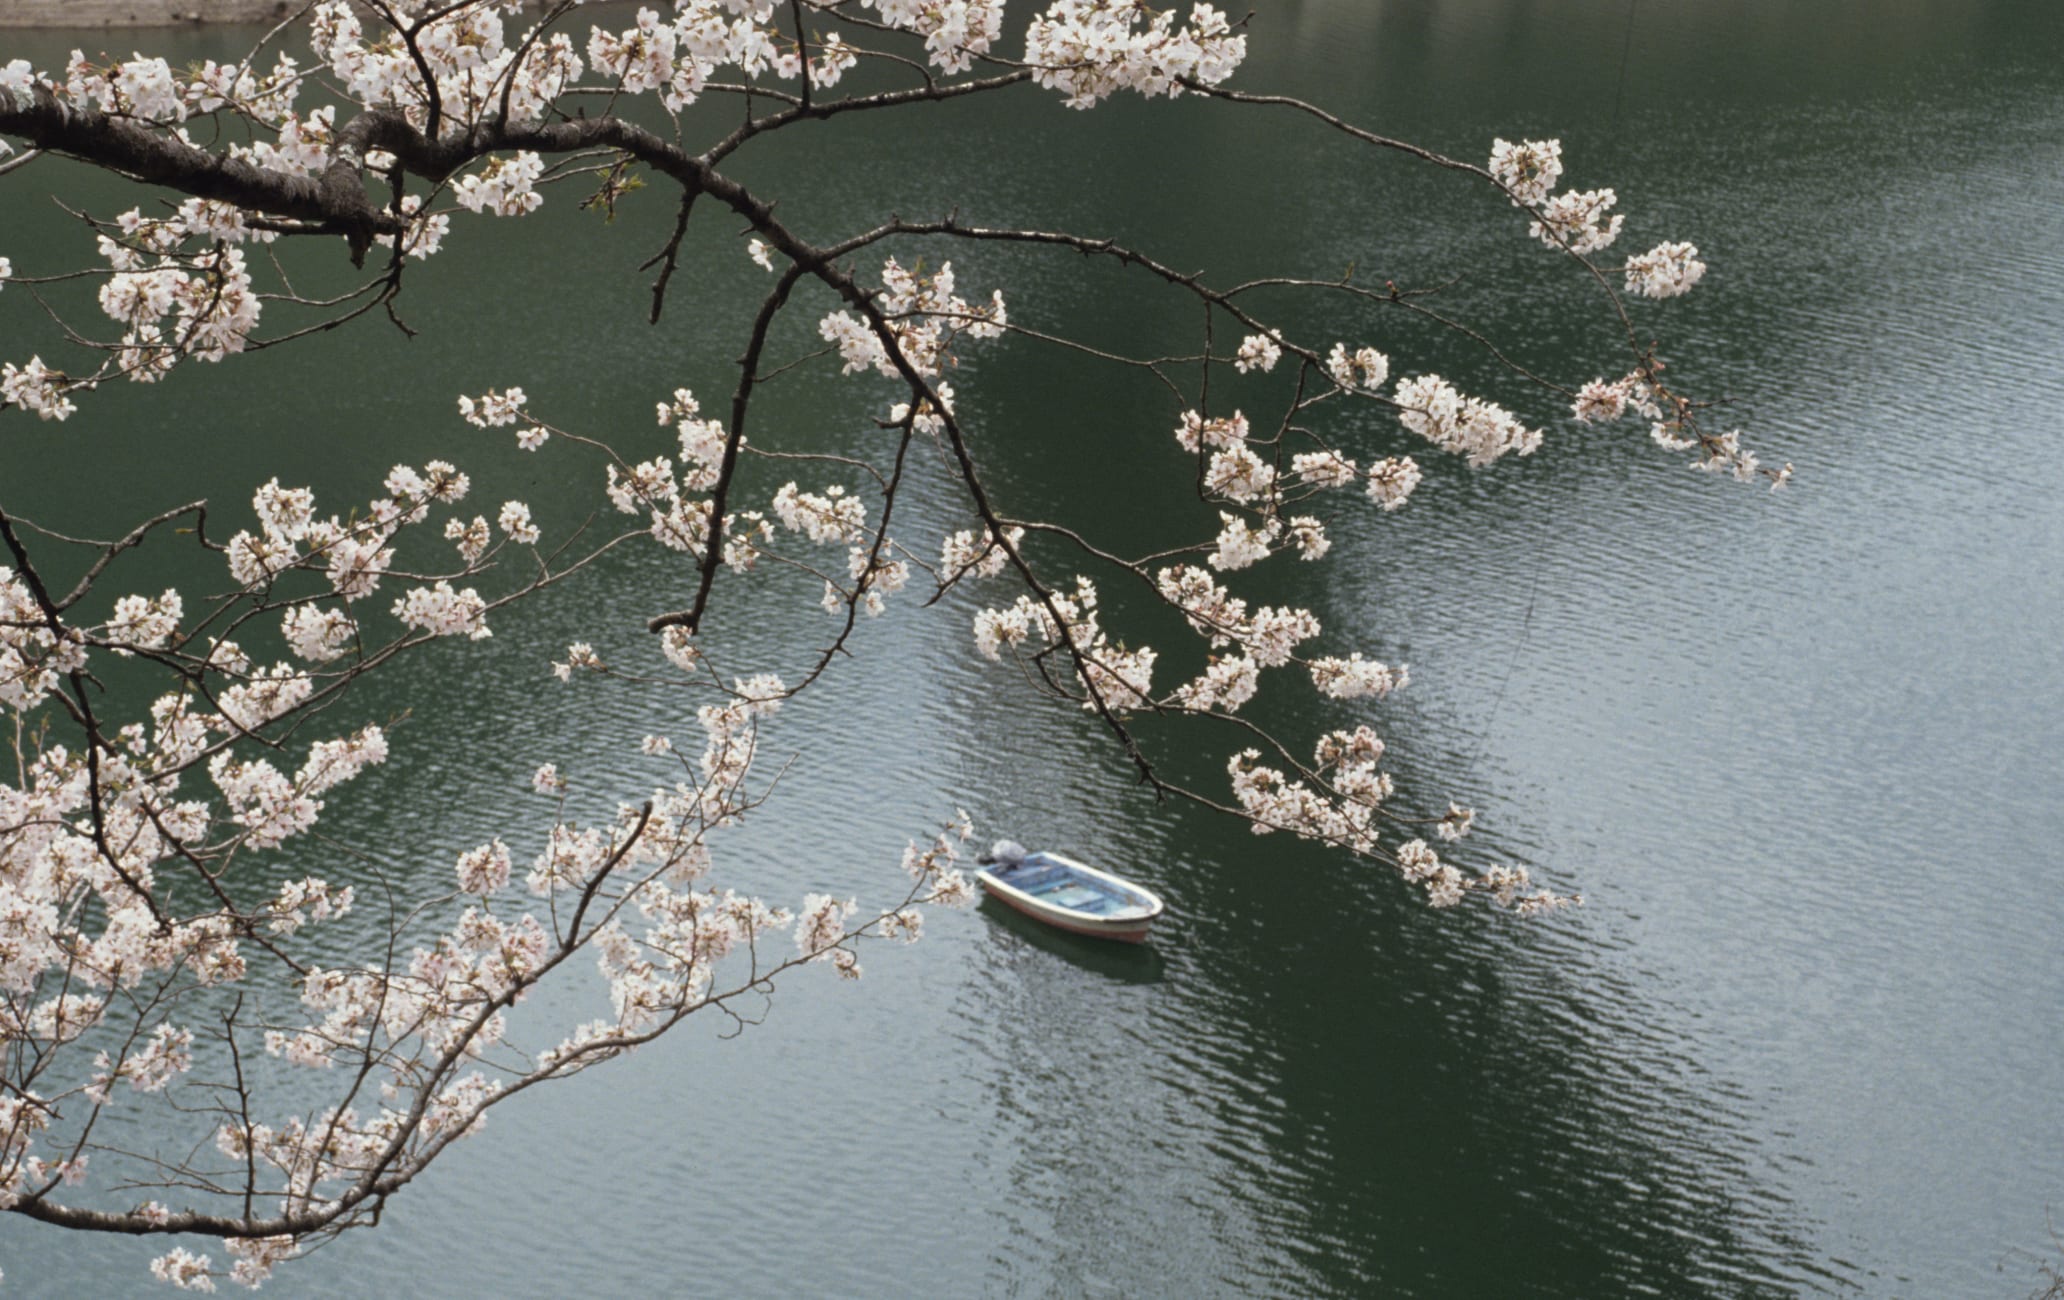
x,y
1122,963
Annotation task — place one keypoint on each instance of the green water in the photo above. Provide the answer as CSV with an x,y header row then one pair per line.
x,y
1799,752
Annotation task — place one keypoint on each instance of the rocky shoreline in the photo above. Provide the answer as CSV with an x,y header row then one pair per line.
x,y
61,14
138,13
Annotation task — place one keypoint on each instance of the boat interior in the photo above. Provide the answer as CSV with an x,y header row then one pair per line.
x,y
1050,882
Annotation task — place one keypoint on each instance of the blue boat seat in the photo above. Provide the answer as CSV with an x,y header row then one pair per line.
x,y
1033,880
1080,897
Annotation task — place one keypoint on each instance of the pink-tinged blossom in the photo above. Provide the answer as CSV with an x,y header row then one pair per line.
x,y
442,481
18,78
317,635
874,580
831,517
1120,678
441,611
141,298
1309,536
1241,544
1365,369
1470,427
1599,402
503,186
256,1257
1275,633
144,88
484,870
302,901
1391,481
1275,802
1672,435
678,645
546,780
683,526
1360,747
1455,823
1665,271
35,387
284,513
954,31
1239,475
1123,678
424,237
493,409
702,441
217,308
1529,169
1224,432
255,561
331,763
515,521
1355,677
1724,454
187,1271
1577,220
641,58
997,628
978,554
1270,636
1257,352
821,925
642,487
925,317
1092,49
1225,685
267,805
143,622
930,419
265,695
66,1017
952,889
356,565
1323,469
472,539
580,657
858,347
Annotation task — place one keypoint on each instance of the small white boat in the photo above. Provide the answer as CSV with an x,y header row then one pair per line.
x,y
1070,895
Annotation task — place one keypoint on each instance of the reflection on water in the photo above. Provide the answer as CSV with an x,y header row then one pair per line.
x,y
1793,749
1020,937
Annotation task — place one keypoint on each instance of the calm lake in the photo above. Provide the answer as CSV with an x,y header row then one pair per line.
x,y
1801,752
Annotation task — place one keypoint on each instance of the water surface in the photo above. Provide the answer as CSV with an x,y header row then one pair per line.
x,y
1798,752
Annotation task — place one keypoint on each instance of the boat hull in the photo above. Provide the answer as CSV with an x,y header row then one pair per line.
x,y
1122,931
1131,923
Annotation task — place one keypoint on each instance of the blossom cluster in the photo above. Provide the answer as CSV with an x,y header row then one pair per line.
x,y
173,299
925,316
1113,676
1480,431
1091,49
1582,221
982,554
1673,423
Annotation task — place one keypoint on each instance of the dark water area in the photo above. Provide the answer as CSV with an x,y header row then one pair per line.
x,y
1799,751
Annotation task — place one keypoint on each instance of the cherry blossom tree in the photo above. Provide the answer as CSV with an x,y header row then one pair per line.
x,y
148,918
